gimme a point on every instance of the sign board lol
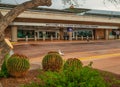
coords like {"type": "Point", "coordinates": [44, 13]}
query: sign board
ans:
{"type": "Point", "coordinates": [8, 43]}
{"type": "Point", "coordinates": [64, 25]}
{"type": "Point", "coordinates": [69, 29]}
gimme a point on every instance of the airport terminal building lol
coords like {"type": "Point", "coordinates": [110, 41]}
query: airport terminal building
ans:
{"type": "Point", "coordinates": [68, 24]}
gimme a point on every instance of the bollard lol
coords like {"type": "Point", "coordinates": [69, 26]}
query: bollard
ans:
{"type": "Point", "coordinates": [81, 37]}
{"type": "Point", "coordinates": [76, 37]}
{"type": "Point", "coordinates": [26, 38]}
{"type": "Point", "coordinates": [87, 38]}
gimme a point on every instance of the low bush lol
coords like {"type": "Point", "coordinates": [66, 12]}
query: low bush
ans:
{"type": "Point", "coordinates": [4, 71]}
{"type": "Point", "coordinates": [84, 77]}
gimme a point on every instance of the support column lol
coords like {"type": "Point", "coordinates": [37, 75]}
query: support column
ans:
{"type": "Point", "coordinates": [38, 35]}
{"type": "Point", "coordinates": [56, 35]}
{"type": "Point", "coordinates": [70, 36]}
{"type": "Point", "coordinates": [14, 33]}
{"type": "Point", "coordinates": [61, 33]}
{"type": "Point", "coordinates": [106, 34]}
{"type": "Point", "coordinates": [44, 35]}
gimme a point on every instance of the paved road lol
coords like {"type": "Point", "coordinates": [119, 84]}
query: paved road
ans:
{"type": "Point", "coordinates": [37, 49]}
{"type": "Point", "coordinates": [104, 54]}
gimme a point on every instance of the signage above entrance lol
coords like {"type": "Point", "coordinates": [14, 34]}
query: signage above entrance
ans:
{"type": "Point", "coordinates": [69, 29]}
{"type": "Point", "coordinates": [63, 25]}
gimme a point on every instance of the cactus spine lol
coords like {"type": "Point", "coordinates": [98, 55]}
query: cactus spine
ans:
{"type": "Point", "coordinates": [18, 65]}
{"type": "Point", "coordinates": [52, 62]}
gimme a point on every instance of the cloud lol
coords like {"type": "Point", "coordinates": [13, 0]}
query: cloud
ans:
{"type": "Point", "coordinates": [91, 4]}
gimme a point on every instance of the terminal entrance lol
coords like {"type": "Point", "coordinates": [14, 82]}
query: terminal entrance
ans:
{"type": "Point", "coordinates": [45, 35]}
{"type": "Point", "coordinates": [27, 33]}
{"type": "Point", "coordinates": [52, 35]}
{"type": "Point", "coordinates": [83, 34]}
{"type": "Point", "coordinates": [24, 33]}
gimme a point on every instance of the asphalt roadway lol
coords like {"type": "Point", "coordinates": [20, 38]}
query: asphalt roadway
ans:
{"type": "Point", "coordinates": [105, 55]}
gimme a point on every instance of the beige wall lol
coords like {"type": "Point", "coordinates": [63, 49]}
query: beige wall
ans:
{"type": "Point", "coordinates": [99, 34]}
{"type": "Point", "coordinates": [14, 33]}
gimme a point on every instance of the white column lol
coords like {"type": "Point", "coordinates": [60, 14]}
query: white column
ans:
{"type": "Point", "coordinates": [44, 35]}
{"type": "Point", "coordinates": [38, 35]}
{"type": "Point", "coordinates": [73, 34]}
{"type": "Point", "coordinates": [14, 33]}
{"type": "Point", "coordinates": [56, 35]}
{"type": "Point", "coordinates": [70, 36]}
{"type": "Point", "coordinates": [106, 34]}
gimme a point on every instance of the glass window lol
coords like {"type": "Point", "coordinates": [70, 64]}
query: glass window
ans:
{"type": "Point", "coordinates": [24, 33]}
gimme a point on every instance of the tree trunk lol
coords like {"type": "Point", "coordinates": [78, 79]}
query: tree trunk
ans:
{"type": "Point", "coordinates": [4, 48]}
{"type": "Point", "coordinates": [10, 16]}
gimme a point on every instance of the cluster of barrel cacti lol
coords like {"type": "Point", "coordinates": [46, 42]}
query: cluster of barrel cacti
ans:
{"type": "Point", "coordinates": [52, 61]}
{"type": "Point", "coordinates": [16, 65]}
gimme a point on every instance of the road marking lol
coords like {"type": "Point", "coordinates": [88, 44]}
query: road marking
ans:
{"type": "Point", "coordinates": [99, 56]}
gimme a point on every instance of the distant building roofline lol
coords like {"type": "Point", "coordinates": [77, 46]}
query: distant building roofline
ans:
{"type": "Point", "coordinates": [78, 11]}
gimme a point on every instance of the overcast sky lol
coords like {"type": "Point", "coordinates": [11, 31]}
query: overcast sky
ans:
{"type": "Point", "coordinates": [91, 4]}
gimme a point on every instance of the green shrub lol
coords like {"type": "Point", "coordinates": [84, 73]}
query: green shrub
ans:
{"type": "Point", "coordinates": [73, 63]}
{"type": "Point", "coordinates": [4, 71]}
{"type": "Point", "coordinates": [33, 84]}
{"type": "Point", "coordinates": [84, 77]}
{"type": "Point", "coordinates": [18, 65]}
{"type": "Point", "coordinates": [52, 62]}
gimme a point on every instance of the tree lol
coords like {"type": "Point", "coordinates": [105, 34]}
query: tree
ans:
{"type": "Point", "coordinates": [11, 15]}
{"type": "Point", "coordinates": [115, 3]}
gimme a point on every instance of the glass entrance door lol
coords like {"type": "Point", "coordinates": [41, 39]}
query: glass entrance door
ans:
{"type": "Point", "coordinates": [83, 33]}
{"type": "Point", "coordinates": [50, 34]}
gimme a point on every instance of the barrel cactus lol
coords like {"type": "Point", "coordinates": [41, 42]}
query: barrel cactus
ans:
{"type": "Point", "coordinates": [18, 65]}
{"type": "Point", "coordinates": [53, 52]}
{"type": "Point", "coordinates": [72, 63]}
{"type": "Point", "coordinates": [52, 62]}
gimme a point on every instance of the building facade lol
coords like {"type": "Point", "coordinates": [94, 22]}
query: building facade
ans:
{"type": "Point", "coordinates": [50, 24]}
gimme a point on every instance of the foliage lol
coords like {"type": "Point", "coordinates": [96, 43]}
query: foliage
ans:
{"type": "Point", "coordinates": [31, 85]}
{"type": "Point", "coordinates": [73, 63]}
{"type": "Point", "coordinates": [111, 79]}
{"type": "Point", "coordinates": [71, 2]}
{"type": "Point", "coordinates": [18, 65]}
{"type": "Point", "coordinates": [4, 71]}
{"type": "Point", "coordinates": [84, 77]}
{"type": "Point", "coordinates": [52, 61]}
